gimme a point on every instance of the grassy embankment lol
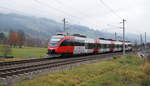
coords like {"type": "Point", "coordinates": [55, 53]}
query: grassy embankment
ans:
{"type": "Point", "coordinates": [122, 71]}
{"type": "Point", "coordinates": [26, 52]}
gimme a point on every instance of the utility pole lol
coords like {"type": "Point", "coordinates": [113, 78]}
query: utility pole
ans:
{"type": "Point", "coordinates": [145, 50]}
{"type": "Point", "coordinates": [141, 38]}
{"type": "Point", "coordinates": [124, 51]}
{"type": "Point", "coordinates": [64, 21]}
{"type": "Point", "coordinates": [115, 36]}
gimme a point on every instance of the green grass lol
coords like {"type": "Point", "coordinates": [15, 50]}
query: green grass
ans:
{"type": "Point", "coordinates": [28, 52]}
{"type": "Point", "coordinates": [123, 71]}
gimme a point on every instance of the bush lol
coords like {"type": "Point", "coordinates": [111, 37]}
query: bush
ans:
{"type": "Point", "coordinates": [5, 50]}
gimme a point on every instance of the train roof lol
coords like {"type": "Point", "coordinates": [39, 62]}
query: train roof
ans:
{"type": "Point", "coordinates": [83, 37]}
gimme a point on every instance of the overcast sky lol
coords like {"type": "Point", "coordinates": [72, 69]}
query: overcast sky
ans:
{"type": "Point", "coordinates": [92, 13]}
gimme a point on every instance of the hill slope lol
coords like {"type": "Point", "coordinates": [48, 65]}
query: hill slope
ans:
{"type": "Point", "coordinates": [41, 27]}
{"type": "Point", "coordinates": [44, 28]}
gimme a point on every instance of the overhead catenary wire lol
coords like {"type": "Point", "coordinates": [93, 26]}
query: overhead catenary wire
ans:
{"type": "Point", "coordinates": [123, 28]}
{"type": "Point", "coordinates": [77, 10]}
{"type": "Point", "coordinates": [69, 6]}
{"type": "Point", "coordinates": [62, 11]}
{"type": "Point", "coordinates": [68, 15]}
{"type": "Point", "coordinates": [110, 9]}
{"type": "Point", "coordinates": [57, 9]}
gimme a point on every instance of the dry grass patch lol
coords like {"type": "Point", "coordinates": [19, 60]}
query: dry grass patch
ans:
{"type": "Point", "coordinates": [146, 68]}
{"type": "Point", "coordinates": [12, 59]}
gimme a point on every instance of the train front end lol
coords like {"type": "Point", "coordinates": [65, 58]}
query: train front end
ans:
{"type": "Point", "coordinates": [53, 45]}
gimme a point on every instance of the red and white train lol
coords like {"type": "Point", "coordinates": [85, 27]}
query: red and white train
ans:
{"type": "Point", "coordinates": [61, 45]}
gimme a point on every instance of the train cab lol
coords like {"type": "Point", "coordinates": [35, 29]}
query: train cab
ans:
{"type": "Point", "coordinates": [54, 43]}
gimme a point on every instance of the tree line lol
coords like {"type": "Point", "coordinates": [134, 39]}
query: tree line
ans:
{"type": "Point", "coordinates": [13, 39]}
{"type": "Point", "coordinates": [20, 39]}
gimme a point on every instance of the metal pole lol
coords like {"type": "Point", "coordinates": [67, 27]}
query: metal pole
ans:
{"type": "Point", "coordinates": [64, 20]}
{"type": "Point", "coordinates": [145, 41]}
{"type": "Point", "coordinates": [115, 36]}
{"type": "Point", "coordinates": [145, 50]}
{"type": "Point", "coordinates": [141, 42]}
{"type": "Point", "coordinates": [124, 52]}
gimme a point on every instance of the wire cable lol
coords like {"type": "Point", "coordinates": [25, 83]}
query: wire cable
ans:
{"type": "Point", "coordinates": [58, 10]}
{"type": "Point", "coordinates": [69, 6]}
{"type": "Point", "coordinates": [110, 9]}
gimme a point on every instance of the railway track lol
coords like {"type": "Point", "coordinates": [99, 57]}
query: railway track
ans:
{"type": "Point", "coordinates": [24, 66]}
{"type": "Point", "coordinates": [22, 61]}
{"type": "Point", "coordinates": [8, 69]}
{"type": "Point", "coordinates": [38, 66]}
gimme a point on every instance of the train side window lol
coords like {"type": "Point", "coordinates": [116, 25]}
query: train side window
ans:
{"type": "Point", "coordinates": [121, 46]}
{"type": "Point", "coordinates": [99, 45]}
{"type": "Point", "coordinates": [64, 43]}
{"type": "Point", "coordinates": [102, 45]}
{"type": "Point", "coordinates": [107, 45]}
{"type": "Point", "coordinates": [82, 43]}
{"type": "Point", "coordinates": [110, 46]}
{"type": "Point", "coordinates": [115, 46]}
{"type": "Point", "coordinates": [118, 46]}
{"type": "Point", "coordinates": [125, 46]}
{"type": "Point", "coordinates": [86, 45]}
{"type": "Point", "coordinates": [77, 43]}
{"type": "Point", "coordinates": [96, 45]}
{"type": "Point", "coordinates": [67, 42]}
{"type": "Point", "coordinates": [90, 45]}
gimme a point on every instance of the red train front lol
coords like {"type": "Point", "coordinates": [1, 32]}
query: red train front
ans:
{"type": "Point", "coordinates": [58, 45]}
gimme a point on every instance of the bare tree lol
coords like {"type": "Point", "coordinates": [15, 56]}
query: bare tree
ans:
{"type": "Point", "coordinates": [20, 38]}
{"type": "Point", "coordinates": [13, 36]}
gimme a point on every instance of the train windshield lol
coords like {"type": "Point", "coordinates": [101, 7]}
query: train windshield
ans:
{"type": "Point", "coordinates": [55, 40]}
